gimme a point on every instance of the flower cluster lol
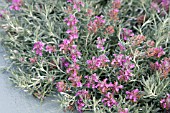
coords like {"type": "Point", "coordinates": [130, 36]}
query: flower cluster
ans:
{"type": "Point", "coordinates": [74, 53]}
{"type": "Point", "coordinates": [123, 110]}
{"type": "Point", "coordinates": [92, 80]}
{"type": "Point", "coordinates": [155, 6]}
{"type": "Point", "coordinates": [165, 4]}
{"type": "Point", "coordinates": [80, 105]}
{"type": "Point", "coordinates": [109, 30]}
{"type": "Point", "coordinates": [124, 62]}
{"type": "Point", "coordinates": [155, 52]}
{"type": "Point", "coordinates": [115, 87]}
{"type": "Point", "coordinates": [100, 43]}
{"type": "Point", "coordinates": [73, 33]}
{"type": "Point", "coordinates": [160, 4]}
{"type": "Point", "coordinates": [133, 95]}
{"type": "Point", "coordinates": [103, 86]}
{"type": "Point", "coordinates": [165, 102]}
{"type": "Point", "coordinates": [61, 86]}
{"type": "Point", "coordinates": [151, 43]}
{"type": "Point", "coordinates": [3, 12]}
{"type": "Point", "coordinates": [115, 10]}
{"type": "Point", "coordinates": [76, 4]}
{"type": "Point", "coordinates": [126, 33]}
{"type": "Point", "coordinates": [99, 62]}
{"type": "Point", "coordinates": [64, 62]}
{"type": "Point", "coordinates": [33, 60]}
{"type": "Point", "coordinates": [67, 45]}
{"type": "Point", "coordinates": [96, 24]}
{"type": "Point", "coordinates": [137, 40]}
{"type": "Point", "coordinates": [50, 48]}
{"type": "Point", "coordinates": [64, 46]}
{"type": "Point", "coordinates": [89, 12]}
{"type": "Point", "coordinates": [163, 67]}
{"type": "Point", "coordinates": [121, 46]}
{"type": "Point", "coordinates": [71, 20]}
{"type": "Point", "coordinates": [108, 100]}
{"type": "Point", "coordinates": [74, 78]}
{"type": "Point", "coordinates": [38, 46]}
{"type": "Point", "coordinates": [83, 94]}
{"type": "Point", "coordinates": [16, 4]}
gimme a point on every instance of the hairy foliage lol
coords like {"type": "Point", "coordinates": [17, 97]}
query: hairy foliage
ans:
{"type": "Point", "coordinates": [41, 20]}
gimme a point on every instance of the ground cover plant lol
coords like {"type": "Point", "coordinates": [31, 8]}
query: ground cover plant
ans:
{"type": "Point", "coordinates": [102, 56]}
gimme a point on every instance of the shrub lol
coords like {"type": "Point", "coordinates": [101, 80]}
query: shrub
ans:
{"type": "Point", "coordinates": [100, 56]}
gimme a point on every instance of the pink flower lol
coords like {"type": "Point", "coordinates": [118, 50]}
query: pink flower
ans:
{"type": "Point", "coordinates": [155, 52]}
{"type": "Point", "coordinates": [99, 20]}
{"type": "Point", "coordinates": [100, 43]}
{"type": "Point", "coordinates": [114, 14]}
{"type": "Point", "coordinates": [65, 63]}
{"type": "Point", "coordinates": [71, 21]}
{"type": "Point", "coordinates": [124, 75]}
{"type": "Point", "coordinates": [116, 4]}
{"type": "Point", "coordinates": [122, 61]}
{"type": "Point", "coordinates": [82, 93]}
{"type": "Point", "coordinates": [74, 53]}
{"type": "Point", "coordinates": [160, 52]}
{"type": "Point", "coordinates": [165, 4]}
{"type": "Point", "coordinates": [60, 86]}
{"type": "Point", "coordinates": [2, 13]}
{"type": "Point", "coordinates": [73, 68]}
{"type": "Point", "coordinates": [76, 4]}
{"type": "Point", "coordinates": [121, 46]}
{"type": "Point", "coordinates": [118, 60]}
{"type": "Point", "coordinates": [165, 103]}
{"type": "Point", "coordinates": [155, 6]}
{"type": "Point", "coordinates": [76, 80]}
{"type": "Point", "coordinates": [64, 46]}
{"type": "Point", "coordinates": [155, 66]}
{"type": "Point", "coordinates": [38, 46]}
{"type": "Point", "coordinates": [92, 64]}
{"type": "Point", "coordinates": [96, 24]}
{"type": "Point", "coordinates": [103, 60]}
{"type": "Point", "coordinates": [123, 110]}
{"type": "Point", "coordinates": [103, 86]}
{"type": "Point", "coordinates": [92, 80]}
{"type": "Point", "coordinates": [92, 27]}
{"type": "Point", "coordinates": [80, 105]}
{"type": "Point", "coordinates": [109, 100]}
{"type": "Point", "coordinates": [115, 87]}
{"type": "Point", "coordinates": [133, 95]}
{"type": "Point", "coordinates": [33, 60]}
{"type": "Point", "coordinates": [50, 49]}
{"type": "Point", "coordinates": [16, 4]}
{"type": "Point", "coordinates": [99, 62]}
{"type": "Point", "coordinates": [126, 33]}
{"type": "Point", "coordinates": [165, 64]}
{"type": "Point", "coordinates": [73, 33]}
{"type": "Point", "coordinates": [163, 67]}
{"type": "Point", "coordinates": [151, 43]}
{"type": "Point", "coordinates": [89, 12]}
